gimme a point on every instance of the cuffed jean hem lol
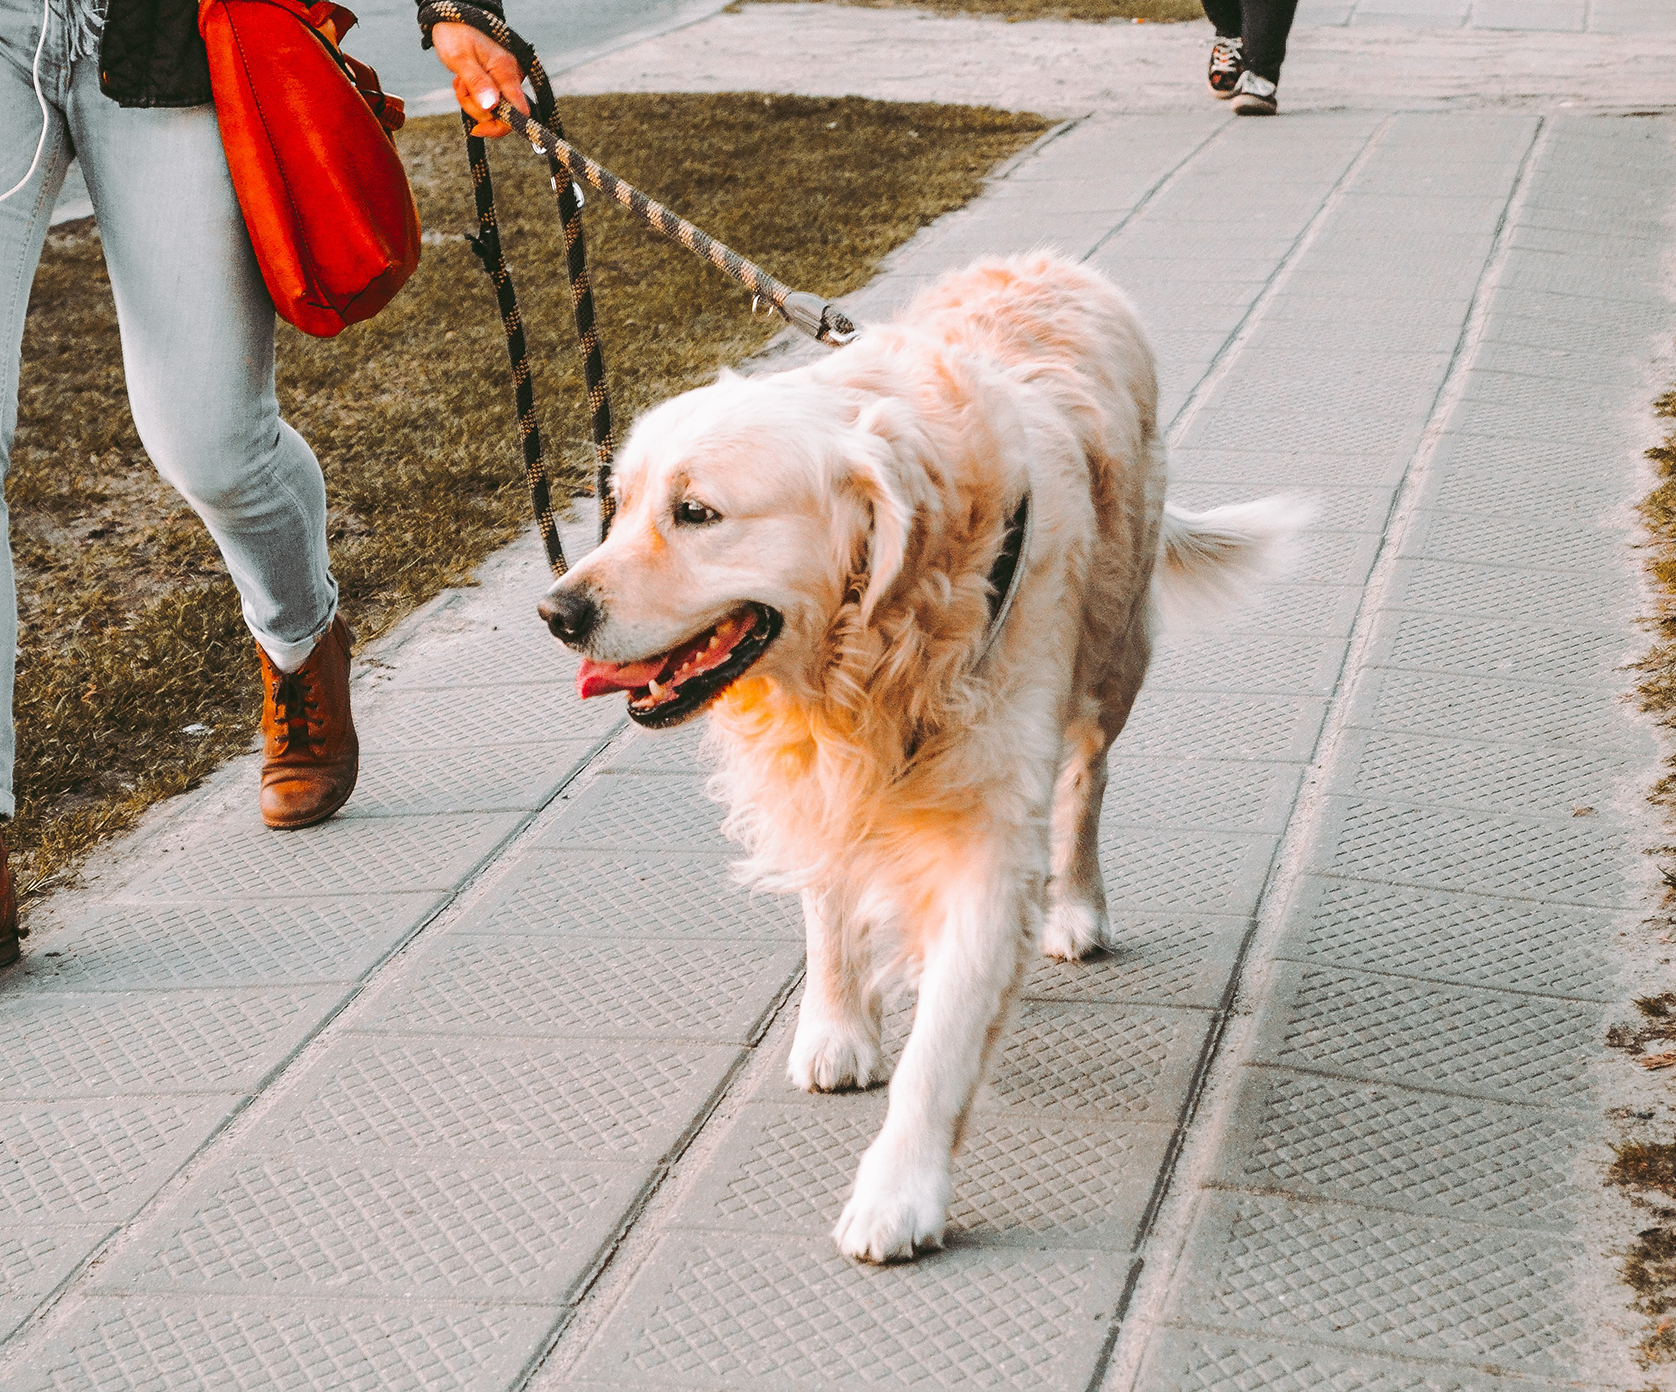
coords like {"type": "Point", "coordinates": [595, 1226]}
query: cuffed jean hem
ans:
{"type": "Point", "coordinates": [288, 657]}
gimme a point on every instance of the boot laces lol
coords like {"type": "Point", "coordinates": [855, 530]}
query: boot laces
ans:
{"type": "Point", "coordinates": [295, 706]}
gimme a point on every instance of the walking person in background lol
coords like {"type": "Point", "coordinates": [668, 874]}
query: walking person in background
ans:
{"type": "Point", "coordinates": [1249, 49]}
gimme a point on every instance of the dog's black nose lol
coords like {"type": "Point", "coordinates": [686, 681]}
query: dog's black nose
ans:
{"type": "Point", "coordinates": [570, 615]}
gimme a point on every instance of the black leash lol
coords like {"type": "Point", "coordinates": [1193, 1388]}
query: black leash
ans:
{"type": "Point", "coordinates": [808, 313]}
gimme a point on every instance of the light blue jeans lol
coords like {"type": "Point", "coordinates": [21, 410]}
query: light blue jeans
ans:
{"type": "Point", "coordinates": [197, 333]}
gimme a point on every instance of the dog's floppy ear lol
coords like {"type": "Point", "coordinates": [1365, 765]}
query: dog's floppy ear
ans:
{"type": "Point", "coordinates": [888, 437]}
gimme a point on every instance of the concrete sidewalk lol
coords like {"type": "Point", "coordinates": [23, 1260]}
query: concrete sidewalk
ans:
{"type": "Point", "coordinates": [1556, 16]}
{"type": "Point", "coordinates": [482, 1084]}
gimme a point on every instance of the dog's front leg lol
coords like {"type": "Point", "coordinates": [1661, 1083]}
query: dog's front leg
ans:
{"type": "Point", "coordinates": [837, 1040]}
{"type": "Point", "coordinates": [972, 965]}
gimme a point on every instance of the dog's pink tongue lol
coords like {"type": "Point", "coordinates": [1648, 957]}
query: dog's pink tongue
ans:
{"type": "Point", "coordinates": [602, 678]}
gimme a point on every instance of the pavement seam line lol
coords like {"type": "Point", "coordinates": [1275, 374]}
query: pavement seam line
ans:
{"type": "Point", "coordinates": [1269, 1066]}
{"type": "Point", "coordinates": [648, 1192]}
{"type": "Point", "coordinates": [1223, 363]}
{"type": "Point", "coordinates": [1160, 184]}
{"type": "Point", "coordinates": [1220, 1072]}
{"type": "Point", "coordinates": [1218, 370]}
{"type": "Point", "coordinates": [1419, 1089]}
{"type": "Point", "coordinates": [1004, 170]}
{"type": "Point", "coordinates": [1390, 1210]}
{"type": "Point", "coordinates": [1456, 984]}
{"type": "Point", "coordinates": [15, 1345]}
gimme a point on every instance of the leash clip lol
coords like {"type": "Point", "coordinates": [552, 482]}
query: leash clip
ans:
{"type": "Point", "coordinates": [820, 319]}
{"type": "Point", "coordinates": [576, 188]}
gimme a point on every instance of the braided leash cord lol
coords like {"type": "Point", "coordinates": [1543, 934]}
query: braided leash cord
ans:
{"type": "Point", "coordinates": [807, 313]}
{"type": "Point", "coordinates": [488, 248]}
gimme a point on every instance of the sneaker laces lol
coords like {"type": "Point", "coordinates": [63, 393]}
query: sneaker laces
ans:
{"type": "Point", "coordinates": [1227, 56]}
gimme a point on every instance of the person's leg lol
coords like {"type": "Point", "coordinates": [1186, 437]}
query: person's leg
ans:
{"type": "Point", "coordinates": [1225, 15]}
{"type": "Point", "coordinates": [198, 351]}
{"type": "Point", "coordinates": [32, 186]}
{"type": "Point", "coordinates": [1265, 25]}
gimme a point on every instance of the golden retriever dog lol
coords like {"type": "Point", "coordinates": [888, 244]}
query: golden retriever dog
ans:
{"type": "Point", "coordinates": [814, 557]}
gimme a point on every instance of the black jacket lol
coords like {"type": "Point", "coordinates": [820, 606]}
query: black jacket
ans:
{"type": "Point", "coordinates": [151, 54]}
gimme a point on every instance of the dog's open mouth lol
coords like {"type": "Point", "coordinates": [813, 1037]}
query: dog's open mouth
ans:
{"type": "Point", "coordinates": [666, 689]}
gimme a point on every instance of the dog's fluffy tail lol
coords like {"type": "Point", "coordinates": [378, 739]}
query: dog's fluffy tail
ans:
{"type": "Point", "coordinates": [1208, 561]}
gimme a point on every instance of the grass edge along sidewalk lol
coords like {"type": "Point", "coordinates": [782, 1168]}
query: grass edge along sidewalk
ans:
{"type": "Point", "coordinates": [1644, 1166]}
{"type": "Point", "coordinates": [136, 676]}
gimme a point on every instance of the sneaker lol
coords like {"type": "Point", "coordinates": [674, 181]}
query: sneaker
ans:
{"type": "Point", "coordinates": [1227, 62]}
{"type": "Point", "coordinates": [310, 755]}
{"type": "Point", "coordinates": [9, 933]}
{"type": "Point", "coordinates": [1254, 96]}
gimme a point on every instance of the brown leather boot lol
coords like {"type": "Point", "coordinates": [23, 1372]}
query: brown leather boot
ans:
{"type": "Point", "coordinates": [8, 912]}
{"type": "Point", "coordinates": [310, 755]}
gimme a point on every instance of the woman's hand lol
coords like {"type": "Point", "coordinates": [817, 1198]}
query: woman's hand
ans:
{"type": "Point", "coordinates": [484, 72]}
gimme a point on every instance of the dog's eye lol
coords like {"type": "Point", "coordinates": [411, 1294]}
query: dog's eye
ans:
{"type": "Point", "coordinates": [691, 514]}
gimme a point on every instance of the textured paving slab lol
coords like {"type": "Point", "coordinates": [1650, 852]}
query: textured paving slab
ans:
{"type": "Point", "coordinates": [715, 1311]}
{"type": "Point", "coordinates": [482, 1086]}
{"type": "Point", "coordinates": [1404, 1111]}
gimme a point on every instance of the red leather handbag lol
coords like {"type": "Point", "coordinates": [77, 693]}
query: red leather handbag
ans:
{"type": "Point", "coordinates": [308, 139]}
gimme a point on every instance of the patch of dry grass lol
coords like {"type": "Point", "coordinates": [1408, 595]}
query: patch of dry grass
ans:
{"type": "Point", "coordinates": [1657, 687]}
{"type": "Point", "coordinates": [1647, 1169]}
{"type": "Point", "coordinates": [131, 631]}
{"type": "Point", "coordinates": [1015, 11]}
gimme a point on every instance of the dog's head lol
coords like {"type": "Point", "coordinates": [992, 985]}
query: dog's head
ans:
{"type": "Point", "coordinates": [749, 512]}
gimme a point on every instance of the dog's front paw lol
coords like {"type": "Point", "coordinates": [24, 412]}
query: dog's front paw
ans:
{"type": "Point", "coordinates": [827, 1059]}
{"type": "Point", "coordinates": [893, 1213]}
{"type": "Point", "coordinates": [1071, 931]}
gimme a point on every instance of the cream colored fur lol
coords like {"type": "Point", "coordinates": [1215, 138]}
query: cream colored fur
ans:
{"type": "Point", "coordinates": [939, 815]}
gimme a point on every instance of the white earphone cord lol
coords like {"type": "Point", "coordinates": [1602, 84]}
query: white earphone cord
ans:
{"type": "Point", "coordinates": [46, 119]}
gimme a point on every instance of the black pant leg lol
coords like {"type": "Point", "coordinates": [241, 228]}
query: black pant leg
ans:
{"type": "Point", "coordinates": [1225, 15]}
{"type": "Point", "coordinates": [1265, 25]}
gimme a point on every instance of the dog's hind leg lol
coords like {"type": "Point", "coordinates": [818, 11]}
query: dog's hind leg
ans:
{"type": "Point", "coordinates": [979, 931]}
{"type": "Point", "coordinates": [837, 1040]}
{"type": "Point", "coordinates": [1076, 922]}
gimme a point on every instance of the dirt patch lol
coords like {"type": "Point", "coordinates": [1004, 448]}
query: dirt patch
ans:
{"type": "Point", "coordinates": [136, 675]}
